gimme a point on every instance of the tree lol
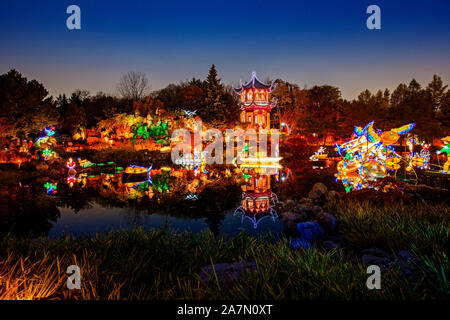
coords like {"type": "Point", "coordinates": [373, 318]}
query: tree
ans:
{"type": "Point", "coordinates": [80, 96]}
{"type": "Point", "coordinates": [220, 104]}
{"type": "Point", "coordinates": [25, 104]}
{"type": "Point", "coordinates": [213, 99]}
{"type": "Point", "coordinates": [324, 104]}
{"type": "Point", "coordinates": [75, 119]}
{"type": "Point", "coordinates": [399, 95]}
{"type": "Point", "coordinates": [196, 82]}
{"type": "Point", "coordinates": [61, 105]}
{"type": "Point", "coordinates": [171, 97]}
{"type": "Point", "coordinates": [133, 85]}
{"type": "Point", "coordinates": [444, 114]}
{"type": "Point", "coordinates": [436, 90]}
{"type": "Point", "coordinates": [149, 106]}
{"type": "Point", "coordinates": [291, 104]}
{"type": "Point", "coordinates": [102, 106]}
{"type": "Point", "coordinates": [413, 104]}
{"type": "Point", "coordinates": [193, 96]}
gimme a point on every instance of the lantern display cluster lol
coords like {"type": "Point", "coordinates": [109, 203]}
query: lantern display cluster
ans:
{"type": "Point", "coordinates": [319, 155]}
{"type": "Point", "coordinates": [51, 187]}
{"type": "Point", "coordinates": [45, 142]}
{"type": "Point", "coordinates": [368, 156]}
{"type": "Point", "coordinates": [446, 150]}
{"type": "Point", "coordinates": [71, 179]}
{"type": "Point", "coordinates": [421, 159]}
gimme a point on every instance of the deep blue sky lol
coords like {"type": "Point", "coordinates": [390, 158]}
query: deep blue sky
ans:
{"type": "Point", "coordinates": [306, 42]}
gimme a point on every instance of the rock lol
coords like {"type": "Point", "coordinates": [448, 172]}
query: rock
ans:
{"type": "Point", "coordinates": [310, 231]}
{"type": "Point", "coordinates": [290, 220]}
{"type": "Point", "coordinates": [307, 211]}
{"type": "Point", "coordinates": [305, 201]}
{"type": "Point", "coordinates": [317, 191]}
{"type": "Point", "coordinates": [327, 220]}
{"type": "Point", "coordinates": [331, 196]}
{"type": "Point", "coordinates": [304, 212]}
{"type": "Point", "coordinates": [316, 210]}
{"type": "Point", "coordinates": [330, 245]}
{"type": "Point", "coordinates": [227, 274]}
{"type": "Point", "coordinates": [375, 256]}
{"type": "Point", "coordinates": [287, 205]}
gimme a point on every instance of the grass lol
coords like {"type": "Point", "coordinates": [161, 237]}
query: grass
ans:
{"type": "Point", "coordinates": [163, 265]}
{"type": "Point", "coordinates": [160, 264]}
{"type": "Point", "coordinates": [394, 227]}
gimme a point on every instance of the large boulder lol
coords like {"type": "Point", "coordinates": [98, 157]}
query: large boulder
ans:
{"type": "Point", "coordinates": [310, 231]}
{"type": "Point", "coordinates": [331, 196]}
{"type": "Point", "coordinates": [307, 211]}
{"type": "Point", "coordinates": [318, 191]}
{"type": "Point", "coordinates": [327, 220]}
{"type": "Point", "coordinates": [287, 205]}
{"type": "Point", "coordinates": [290, 220]}
{"type": "Point", "coordinates": [375, 256]}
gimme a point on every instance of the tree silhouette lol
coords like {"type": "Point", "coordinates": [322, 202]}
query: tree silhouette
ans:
{"type": "Point", "coordinates": [25, 104]}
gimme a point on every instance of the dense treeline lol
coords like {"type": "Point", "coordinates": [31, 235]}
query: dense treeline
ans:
{"type": "Point", "coordinates": [321, 109]}
{"type": "Point", "coordinates": [25, 108]}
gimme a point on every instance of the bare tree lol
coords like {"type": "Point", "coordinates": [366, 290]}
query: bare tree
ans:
{"type": "Point", "coordinates": [133, 85]}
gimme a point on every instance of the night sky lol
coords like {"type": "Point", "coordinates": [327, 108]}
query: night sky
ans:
{"type": "Point", "coordinates": [306, 42]}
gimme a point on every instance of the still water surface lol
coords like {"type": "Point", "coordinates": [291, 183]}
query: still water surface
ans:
{"type": "Point", "coordinates": [225, 200]}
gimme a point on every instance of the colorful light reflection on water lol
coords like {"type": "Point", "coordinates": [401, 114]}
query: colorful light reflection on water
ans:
{"type": "Point", "coordinates": [184, 199]}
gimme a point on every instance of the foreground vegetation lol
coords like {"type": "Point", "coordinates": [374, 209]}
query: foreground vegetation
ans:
{"type": "Point", "coordinates": [164, 265]}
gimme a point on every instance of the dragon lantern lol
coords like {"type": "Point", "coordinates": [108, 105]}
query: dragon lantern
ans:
{"type": "Point", "coordinates": [368, 156]}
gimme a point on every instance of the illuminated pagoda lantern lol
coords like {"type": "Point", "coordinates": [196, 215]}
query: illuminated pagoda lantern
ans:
{"type": "Point", "coordinates": [256, 107]}
{"type": "Point", "coordinates": [255, 104]}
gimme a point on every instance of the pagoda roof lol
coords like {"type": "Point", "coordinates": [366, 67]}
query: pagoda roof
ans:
{"type": "Point", "coordinates": [255, 83]}
{"type": "Point", "coordinates": [254, 106]}
{"type": "Point", "coordinates": [256, 195]}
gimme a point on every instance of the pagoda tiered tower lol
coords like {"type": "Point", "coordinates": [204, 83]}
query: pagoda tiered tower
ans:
{"type": "Point", "coordinates": [256, 194]}
{"type": "Point", "coordinates": [255, 103]}
{"type": "Point", "coordinates": [258, 199]}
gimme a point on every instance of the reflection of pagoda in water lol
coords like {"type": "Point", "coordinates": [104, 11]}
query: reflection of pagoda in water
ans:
{"type": "Point", "coordinates": [258, 199]}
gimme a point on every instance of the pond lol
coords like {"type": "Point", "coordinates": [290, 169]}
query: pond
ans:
{"type": "Point", "coordinates": [223, 199]}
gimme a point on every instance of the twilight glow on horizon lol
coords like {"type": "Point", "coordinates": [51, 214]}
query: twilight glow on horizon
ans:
{"type": "Point", "coordinates": [298, 41]}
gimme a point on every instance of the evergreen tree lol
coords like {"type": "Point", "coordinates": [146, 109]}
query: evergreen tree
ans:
{"type": "Point", "coordinates": [444, 114]}
{"type": "Point", "coordinates": [220, 105]}
{"type": "Point", "coordinates": [25, 104]}
{"type": "Point", "coordinates": [436, 91]}
{"type": "Point", "coordinates": [214, 93]}
{"type": "Point", "coordinates": [196, 82]}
